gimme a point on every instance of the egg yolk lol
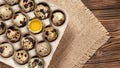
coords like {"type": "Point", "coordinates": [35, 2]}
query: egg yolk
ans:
{"type": "Point", "coordinates": [35, 25]}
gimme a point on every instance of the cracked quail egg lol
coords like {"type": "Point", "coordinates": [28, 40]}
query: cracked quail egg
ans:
{"type": "Point", "coordinates": [35, 26]}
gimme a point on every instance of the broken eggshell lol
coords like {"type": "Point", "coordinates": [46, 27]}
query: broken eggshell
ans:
{"type": "Point", "coordinates": [35, 26]}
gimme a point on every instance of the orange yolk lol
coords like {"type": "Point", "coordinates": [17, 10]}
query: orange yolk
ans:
{"type": "Point", "coordinates": [35, 25]}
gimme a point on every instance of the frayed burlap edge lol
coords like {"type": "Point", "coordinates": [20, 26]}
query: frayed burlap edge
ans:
{"type": "Point", "coordinates": [83, 36]}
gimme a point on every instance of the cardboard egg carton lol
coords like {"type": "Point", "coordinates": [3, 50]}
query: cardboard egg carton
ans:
{"type": "Point", "coordinates": [38, 37]}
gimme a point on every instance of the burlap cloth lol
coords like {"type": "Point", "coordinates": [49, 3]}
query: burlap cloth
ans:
{"type": "Point", "coordinates": [83, 36]}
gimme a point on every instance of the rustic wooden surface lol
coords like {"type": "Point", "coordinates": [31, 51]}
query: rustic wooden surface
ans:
{"type": "Point", "coordinates": [108, 12]}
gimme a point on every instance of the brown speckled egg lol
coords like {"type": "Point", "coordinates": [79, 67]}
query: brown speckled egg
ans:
{"type": "Point", "coordinates": [28, 42]}
{"type": "Point", "coordinates": [5, 12]}
{"type": "Point", "coordinates": [21, 56]}
{"type": "Point", "coordinates": [2, 28]}
{"type": "Point", "coordinates": [50, 33]}
{"type": "Point", "coordinates": [12, 2]}
{"type": "Point", "coordinates": [20, 19]}
{"type": "Point", "coordinates": [58, 17]}
{"type": "Point", "coordinates": [13, 34]}
{"type": "Point", "coordinates": [43, 49]}
{"type": "Point", "coordinates": [27, 5]}
{"type": "Point", "coordinates": [42, 11]}
{"type": "Point", "coordinates": [6, 50]}
{"type": "Point", "coordinates": [36, 63]}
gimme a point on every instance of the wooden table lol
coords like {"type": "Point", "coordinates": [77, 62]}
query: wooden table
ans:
{"type": "Point", "coordinates": [108, 12]}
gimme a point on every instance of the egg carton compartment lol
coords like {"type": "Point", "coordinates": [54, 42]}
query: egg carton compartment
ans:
{"type": "Point", "coordinates": [38, 37]}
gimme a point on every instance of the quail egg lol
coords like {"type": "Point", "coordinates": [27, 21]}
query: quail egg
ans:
{"type": "Point", "coordinates": [12, 2]}
{"type": "Point", "coordinates": [21, 57]}
{"type": "Point", "coordinates": [42, 11]}
{"type": "Point", "coordinates": [28, 42]}
{"type": "Point", "coordinates": [13, 34]}
{"type": "Point", "coordinates": [50, 33]}
{"type": "Point", "coordinates": [20, 19]}
{"type": "Point", "coordinates": [43, 49]}
{"type": "Point", "coordinates": [35, 26]}
{"type": "Point", "coordinates": [58, 18]}
{"type": "Point", "coordinates": [5, 12]}
{"type": "Point", "coordinates": [27, 5]}
{"type": "Point", "coordinates": [6, 50]}
{"type": "Point", "coordinates": [2, 28]}
{"type": "Point", "coordinates": [36, 63]}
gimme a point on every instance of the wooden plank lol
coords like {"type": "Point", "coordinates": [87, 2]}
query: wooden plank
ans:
{"type": "Point", "coordinates": [102, 4]}
{"type": "Point", "coordinates": [104, 65]}
{"type": "Point", "coordinates": [108, 56]}
{"type": "Point", "coordinates": [110, 52]}
{"type": "Point", "coordinates": [109, 18]}
{"type": "Point", "coordinates": [2, 65]}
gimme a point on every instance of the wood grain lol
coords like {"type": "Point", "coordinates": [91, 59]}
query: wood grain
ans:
{"type": "Point", "coordinates": [108, 12]}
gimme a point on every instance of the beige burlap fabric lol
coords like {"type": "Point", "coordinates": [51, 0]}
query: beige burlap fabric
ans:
{"type": "Point", "coordinates": [83, 36]}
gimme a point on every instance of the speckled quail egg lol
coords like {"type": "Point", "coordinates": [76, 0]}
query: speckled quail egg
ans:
{"type": "Point", "coordinates": [42, 11]}
{"type": "Point", "coordinates": [43, 49]}
{"type": "Point", "coordinates": [28, 42]}
{"type": "Point", "coordinates": [27, 5]}
{"type": "Point", "coordinates": [50, 33]}
{"type": "Point", "coordinates": [21, 57]}
{"type": "Point", "coordinates": [36, 63]}
{"type": "Point", "coordinates": [13, 34]}
{"type": "Point", "coordinates": [2, 28]}
{"type": "Point", "coordinates": [20, 19]}
{"type": "Point", "coordinates": [5, 12]}
{"type": "Point", "coordinates": [6, 50]}
{"type": "Point", "coordinates": [12, 2]}
{"type": "Point", "coordinates": [58, 18]}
